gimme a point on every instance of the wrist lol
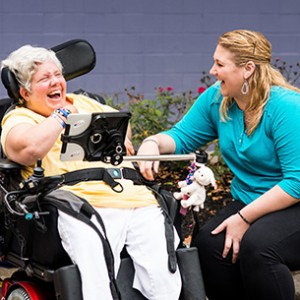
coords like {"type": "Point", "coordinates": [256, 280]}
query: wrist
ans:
{"type": "Point", "coordinates": [150, 139]}
{"type": "Point", "coordinates": [61, 115]}
{"type": "Point", "coordinates": [243, 218]}
{"type": "Point", "coordinates": [63, 112]}
{"type": "Point", "coordinates": [60, 120]}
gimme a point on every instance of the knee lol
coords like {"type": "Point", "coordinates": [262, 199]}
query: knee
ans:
{"type": "Point", "coordinates": [202, 239]}
{"type": "Point", "coordinates": [206, 243]}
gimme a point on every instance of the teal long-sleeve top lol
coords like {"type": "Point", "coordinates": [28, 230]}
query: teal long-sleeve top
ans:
{"type": "Point", "coordinates": [269, 156]}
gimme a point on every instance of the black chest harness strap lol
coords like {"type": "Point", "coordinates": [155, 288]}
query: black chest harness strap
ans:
{"type": "Point", "coordinates": [35, 184]}
{"type": "Point", "coordinates": [108, 175]}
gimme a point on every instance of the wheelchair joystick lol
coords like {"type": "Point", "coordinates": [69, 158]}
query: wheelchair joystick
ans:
{"type": "Point", "coordinates": [34, 179]}
{"type": "Point", "coordinates": [38, 171]}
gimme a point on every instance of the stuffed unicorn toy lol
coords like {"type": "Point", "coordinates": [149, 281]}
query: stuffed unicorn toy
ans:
{"type": "Point", "coordinates": [192, 190]}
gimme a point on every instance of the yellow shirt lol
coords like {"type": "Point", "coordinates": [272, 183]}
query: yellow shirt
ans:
{"type": "Point", "coordinates": [95, 192]}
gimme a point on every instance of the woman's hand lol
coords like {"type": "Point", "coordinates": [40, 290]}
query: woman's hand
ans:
{"type": "Point", "coordinates": [149, 168]}
{"type": "Point", "coordinates": [235, 229]}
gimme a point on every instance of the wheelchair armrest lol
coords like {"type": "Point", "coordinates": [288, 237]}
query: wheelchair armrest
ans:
{"type": "Point", "coordinates": [8, 165]}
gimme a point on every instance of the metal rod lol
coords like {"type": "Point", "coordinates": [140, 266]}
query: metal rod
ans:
{"type": "Point", "coordinates": [163, 157]}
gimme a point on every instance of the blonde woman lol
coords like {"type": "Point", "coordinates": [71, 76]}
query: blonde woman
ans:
{"type": "Point", "coordinates": [249, 248]}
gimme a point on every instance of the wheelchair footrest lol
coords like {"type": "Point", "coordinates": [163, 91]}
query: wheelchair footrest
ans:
{"type": "Point", "coordinates": [67, 283]}
{"type": "Point", "coordinates": [125, 281]}
{"type": "Point", "coordinates": [191, 275]}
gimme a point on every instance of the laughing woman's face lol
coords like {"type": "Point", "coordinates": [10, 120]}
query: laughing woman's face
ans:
{"type": "Point", "coordinates": [226, 71]}
{"type": "Point", "coordinates": [48, 89]}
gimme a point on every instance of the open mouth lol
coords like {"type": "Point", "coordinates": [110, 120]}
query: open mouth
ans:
{"type": "Point", "coordinates": [55, 95]}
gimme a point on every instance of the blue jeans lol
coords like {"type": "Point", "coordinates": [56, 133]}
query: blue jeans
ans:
{"type": "Point", "coordinates": [269, 251]}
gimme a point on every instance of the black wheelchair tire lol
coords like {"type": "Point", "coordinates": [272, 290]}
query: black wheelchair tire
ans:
{"type": "Point", "coordinates": [18, 294]}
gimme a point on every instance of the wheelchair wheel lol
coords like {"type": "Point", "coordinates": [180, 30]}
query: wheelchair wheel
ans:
{"type": "Point", "coordinates": [18, 294]}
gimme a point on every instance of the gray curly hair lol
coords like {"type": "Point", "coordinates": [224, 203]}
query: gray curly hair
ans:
{"type": "Point", "coordinates": [23, 63]}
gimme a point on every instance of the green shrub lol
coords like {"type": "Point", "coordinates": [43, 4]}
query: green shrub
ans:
{"type": "Point", "coordinates": [150, 116]}
{"type": "Point", "coordinates": [290, 72]}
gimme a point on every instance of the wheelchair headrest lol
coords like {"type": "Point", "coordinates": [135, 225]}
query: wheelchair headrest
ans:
{"type": "Point", "coordinates": [77, 57]}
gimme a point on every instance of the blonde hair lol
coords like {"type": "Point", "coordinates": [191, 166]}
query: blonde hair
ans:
{"type": "Point", "coordinates": [247, 45]}
{"type": "Point", "coordinates": [24, 61]}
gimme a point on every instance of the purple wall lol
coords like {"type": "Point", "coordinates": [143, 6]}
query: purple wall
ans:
{"type": "Point", "coordinates": [147, 43]}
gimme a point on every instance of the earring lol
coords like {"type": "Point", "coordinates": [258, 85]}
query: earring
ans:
{"type": "Point", "coordinates": [245, 88]}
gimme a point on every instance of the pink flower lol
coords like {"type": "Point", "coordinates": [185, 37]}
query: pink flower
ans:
{"type": "Point", "coordinates": [160, 89]}
{"type": "Point", "coordinates": [201, 89]}
{"type": "Point", "coordinates": [169, 88]}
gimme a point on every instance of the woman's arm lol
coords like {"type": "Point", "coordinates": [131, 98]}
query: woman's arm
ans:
{"type": "Point", "coordinates": [273, 200]}
{"type": "Point", "coordinates": [195, 129]}
{"type": "Point", "coordinates": [26, 143]}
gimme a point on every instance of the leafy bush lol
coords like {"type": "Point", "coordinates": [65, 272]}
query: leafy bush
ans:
{"type": "Point", "coordinates": [290, 72]}
{"type": "Point", "coordinates": [150, 116]}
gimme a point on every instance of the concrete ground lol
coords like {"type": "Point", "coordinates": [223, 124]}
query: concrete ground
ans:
{"type": "Point", "coordinates": [6, 272]}
{"type": "Point", "coordinates": [296, 275]}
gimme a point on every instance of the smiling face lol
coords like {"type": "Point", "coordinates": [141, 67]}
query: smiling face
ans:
{"type": "Point", "coordinates": [48, 89]}
{"type": "Point", "coordinates": [226, 71]}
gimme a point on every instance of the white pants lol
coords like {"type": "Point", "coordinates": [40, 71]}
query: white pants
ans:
{"type": "Point", "coordinates": [142, 231]}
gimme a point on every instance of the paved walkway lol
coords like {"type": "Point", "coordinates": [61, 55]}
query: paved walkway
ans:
{"type": "Point", "coordinates": [297, 284]}
{"type": "Point", "coordinates": [296, 275]}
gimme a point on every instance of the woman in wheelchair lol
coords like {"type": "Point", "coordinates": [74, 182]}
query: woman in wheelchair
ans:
{"type": "Point", "coordinates": [32, 131]}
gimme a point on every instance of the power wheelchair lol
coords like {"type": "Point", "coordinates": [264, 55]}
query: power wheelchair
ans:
{"type": "Point", "coordinates": [29, 240]}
